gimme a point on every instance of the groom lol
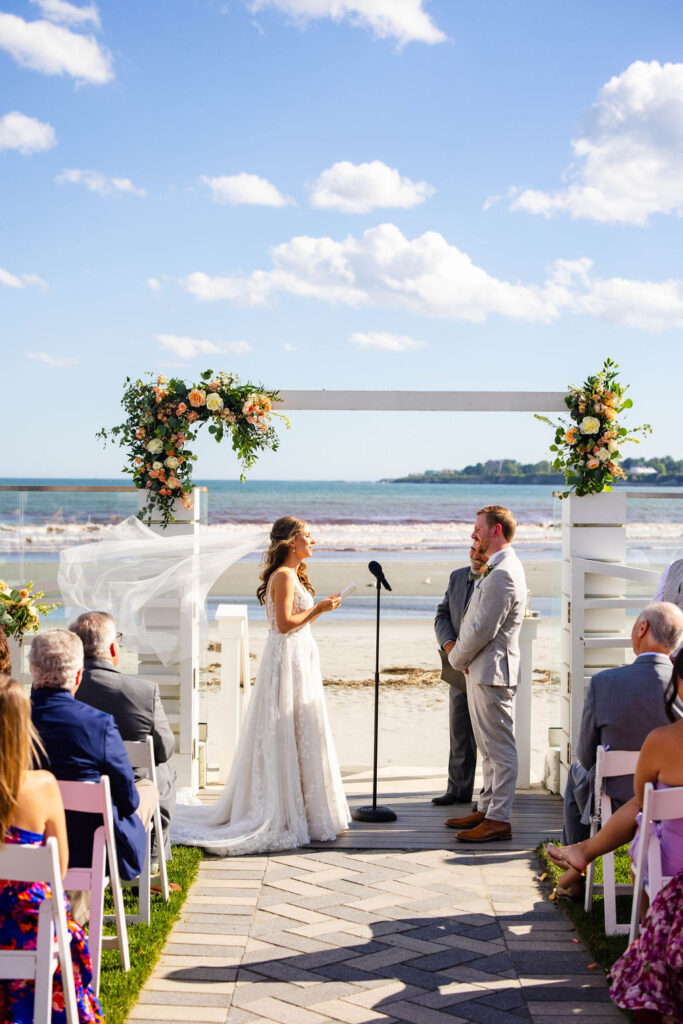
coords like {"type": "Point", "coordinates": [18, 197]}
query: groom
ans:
{"type": "Point", "coordinates": [487, 651]}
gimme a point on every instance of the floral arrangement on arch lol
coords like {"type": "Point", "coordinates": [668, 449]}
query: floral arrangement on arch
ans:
{"type": "Point", "coordinates": [588, 447]}
{"type": "Point", "coordinates": [20, 610]}
{"type": "Point", "coordinates": [163, 417]}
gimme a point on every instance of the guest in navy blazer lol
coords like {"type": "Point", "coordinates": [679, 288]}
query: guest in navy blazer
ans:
{"type": "Point", "coordinates": [82, 744]}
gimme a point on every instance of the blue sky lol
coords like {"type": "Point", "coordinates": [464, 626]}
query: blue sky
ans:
{"type": "Point", "coordinates": [407, 194]}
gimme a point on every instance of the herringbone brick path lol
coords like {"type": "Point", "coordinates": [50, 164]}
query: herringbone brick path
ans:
{"type": "Point", "coordinates": [322, 936]}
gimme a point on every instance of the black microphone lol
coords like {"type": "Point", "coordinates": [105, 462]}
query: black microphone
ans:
{"type": "Point", "coordinates": [377, 571]}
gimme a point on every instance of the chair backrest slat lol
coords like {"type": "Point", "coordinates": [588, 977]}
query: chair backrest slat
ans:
{"type": "Point", "coordinates": [91, 797]}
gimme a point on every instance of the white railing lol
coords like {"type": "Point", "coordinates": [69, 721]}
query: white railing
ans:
{"type": "Point", "coordinates": [223, 728]}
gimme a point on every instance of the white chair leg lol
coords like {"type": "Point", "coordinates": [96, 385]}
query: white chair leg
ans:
{"type": "Point", "coordinates": [144, 884]}
{"type": "Point", "coordinates": [119, 911]}
{"type": "Point", "coordinates": [163, 870]}
{"type": "Point", "coordinates": [42, 1006]}
{"type": "Point", "coordinates": [97, 914]}
{"type": "Point", "coordinates": [66, 963]}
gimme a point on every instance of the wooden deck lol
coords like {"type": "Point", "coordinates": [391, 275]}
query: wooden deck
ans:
{"type": "Point", "coordinates": [536, 815]}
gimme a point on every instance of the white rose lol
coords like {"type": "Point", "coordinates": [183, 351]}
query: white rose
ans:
{"type": "Point", "coordinates": [155, 446]}
{"type": "Point", "coordinates": [589, 425]}
{"type": "Point", "coordinates": [171, 462]}
{"type": "Point", "coordinates": [612, 446]}
{"type": "Point", "coordinates": [157, 466]}
{"type": "Point", "coordinates": [214, 402]}
{"type": "Point", "coordinates": [603, 454]}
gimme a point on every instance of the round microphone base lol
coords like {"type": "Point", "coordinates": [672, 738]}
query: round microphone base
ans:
{"type": "Point", "coordinates": [371, 813]}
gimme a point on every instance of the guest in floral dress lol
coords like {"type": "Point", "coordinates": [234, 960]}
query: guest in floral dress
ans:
{"type": "Point", "coordinates": [648, 978]}
{"type": "Point", "coordinates": [30, 811]}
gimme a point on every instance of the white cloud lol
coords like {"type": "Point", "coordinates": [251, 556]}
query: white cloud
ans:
{"type": "Point", "coordinates": [188, 348]}
{"type": "Point", "coordinates": [245, 188]}
{"type": "Point", "coordinates": [385, 341]}
{"type": "Point", "coordinates": [629, 160]}
{"type": "Point", "coordinates": [25, 134]}
{"type": "Point", "coordinates": [383, 268]}
{"type": "Point", "coordinates": [358, 188]}
{"type": "Point", "coordinates": [154, 284]}
{"type": "Point", "coordinates": [430, 277]}
{"type": "Point", "coordinates": [95, 181]}
{"type": "Point", "coordinates": [55, 50]}
{"type": "Point", "coordinates": [12, 281]}
{"type": "Point", "coordinates": [68, 14]}
{"type": "Point", "coordinates": [288, 347]}
{"type": "Point", "coordinates": [403, 20]}
{"type": "Point", "coordinates": [650, 306]}
{"type": "Point", "coordinates": [59, 362]}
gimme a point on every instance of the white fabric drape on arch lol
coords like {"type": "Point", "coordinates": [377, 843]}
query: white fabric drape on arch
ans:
{"type": "Point", "coordinates": [134, 568]}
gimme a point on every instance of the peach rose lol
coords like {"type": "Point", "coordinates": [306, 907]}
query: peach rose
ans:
{"type": "Point", "coordinates": [197, 398]}
{"type": "Point", "coordinates": [592, 463]}
{"type": "Point", "coordinates": [181, 409]}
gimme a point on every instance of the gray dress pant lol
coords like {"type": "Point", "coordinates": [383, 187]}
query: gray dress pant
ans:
{"type": "Point", "coordinates": [462, 759]}
{"type": "Point", "coordinates": [491, 714]}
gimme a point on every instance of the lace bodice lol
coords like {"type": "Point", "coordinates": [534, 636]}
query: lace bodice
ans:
{"type": "Point", "coordinates": [303, 600]}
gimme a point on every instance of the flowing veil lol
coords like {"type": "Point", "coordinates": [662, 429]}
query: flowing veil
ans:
{"type": "Point", "coordinates": [134, 568]}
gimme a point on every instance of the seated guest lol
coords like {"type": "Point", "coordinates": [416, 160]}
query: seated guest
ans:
{"type": "Point", "coordinates": [133, 701]}
{"type": "Point", "coordinates": [82, 744]}
{"type": "Point", "coordinates": [5, 658]}
{"type": "Point", "coordinates": [622, 706]}
{"type": "Point", "coordinates": [647, 978]}
{"type": "Point", "coordinates": [30, 811]}
{"type": "Point", "coordinates": [661, 763]}
{"type": "Point", "coordinates": [670, 586]}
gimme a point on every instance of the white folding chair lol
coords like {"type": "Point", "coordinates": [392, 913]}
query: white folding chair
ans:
{"type": "Point", "coordinates": [658, 805]}
{"type": "Point", "coordinates": [609, 764]}
{"type": "Point", "coordinates": [41, 864]}
{"type": "Point", "coordinates": [95, 798]}
{"type": "Point", "coordinates": [141, 755]}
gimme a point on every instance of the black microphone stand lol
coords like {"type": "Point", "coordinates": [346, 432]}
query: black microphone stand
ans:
{"type": "Point", "coordinates": [372, 812]}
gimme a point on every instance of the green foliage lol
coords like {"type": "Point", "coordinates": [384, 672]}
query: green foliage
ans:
{"type": "Point", "coordinates": [162, 418]}
{"type": "Point", "coordinates": [20, 609]}
{"type": "Point", "coordinates": [119, 989]}
{"type": "Point", "coordinates": [588, 446]}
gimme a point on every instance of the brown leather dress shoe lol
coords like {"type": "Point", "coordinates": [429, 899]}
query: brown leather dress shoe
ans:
{"type": "Point", "coordinates": [469, 821]}
{"type": "Point", "coordinates": [486, 832]}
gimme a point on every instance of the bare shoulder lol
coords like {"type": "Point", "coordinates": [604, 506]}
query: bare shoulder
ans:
{"type": "Point", "coordinates": [40, 782]}
{"type": "Point", "coordinates": [282, 578]}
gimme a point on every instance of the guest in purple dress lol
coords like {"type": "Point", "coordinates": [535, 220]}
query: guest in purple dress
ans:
{"type": "Point", "coordinates": [661, 763]}
{"type": "Point", "coordinates": [30, 811]}
{"type": "Point", "coordinates": [648, 978]}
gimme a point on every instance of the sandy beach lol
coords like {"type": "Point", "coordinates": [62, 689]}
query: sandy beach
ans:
{"type": "Point", "coordinates": [418, 577]}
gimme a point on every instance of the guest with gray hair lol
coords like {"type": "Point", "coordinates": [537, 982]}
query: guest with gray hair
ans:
{"type": "Point", "coordinates": [83, 744]}
{"type": "Point", "coordinates": [622, 706]}
{"type": "Point", "coordinates": [134, 702]}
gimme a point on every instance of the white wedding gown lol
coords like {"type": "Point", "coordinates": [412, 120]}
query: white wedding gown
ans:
{"type": "Point", "coordinates": [284, 787]}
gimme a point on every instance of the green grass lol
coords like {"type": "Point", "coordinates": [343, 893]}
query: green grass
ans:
{"type": "Point", "coordinates": [119, 989]}
{"type": "Point", "coordinates": [605, 949]}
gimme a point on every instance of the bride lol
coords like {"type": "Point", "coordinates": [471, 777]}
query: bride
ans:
{"type": "Point", "coordinates": [284, 787]}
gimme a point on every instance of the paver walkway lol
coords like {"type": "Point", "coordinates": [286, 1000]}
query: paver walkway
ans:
{"type": "Point", "coordinates": [428, 936]}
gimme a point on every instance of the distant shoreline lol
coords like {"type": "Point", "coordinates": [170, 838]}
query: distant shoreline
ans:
{"type": "Point", "coordinates": [534, 478]}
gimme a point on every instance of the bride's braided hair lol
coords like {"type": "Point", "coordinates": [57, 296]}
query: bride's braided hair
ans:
{"type": "Point", "coordinates": [283, 532]}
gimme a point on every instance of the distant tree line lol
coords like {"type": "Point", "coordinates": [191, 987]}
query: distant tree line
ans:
{"type": "Point", "coordinates": [664, 471]}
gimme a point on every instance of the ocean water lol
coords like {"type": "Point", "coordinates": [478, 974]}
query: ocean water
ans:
{"type": "Point", "coordinates": [351, 521]}
{"type": "Point", "coordinates": [408, 520]}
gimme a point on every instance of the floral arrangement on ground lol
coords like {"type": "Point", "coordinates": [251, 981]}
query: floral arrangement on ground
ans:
{"type": "Point", "coordinates": [20, 610]}
{"type": "Point", "coordinates": [163, 416]}
{"type": "Point", "coordinates": [587, 449]}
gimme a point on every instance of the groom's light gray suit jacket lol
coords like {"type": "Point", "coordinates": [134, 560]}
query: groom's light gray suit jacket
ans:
{"type": "Point", "coordinates": [488, 644]}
